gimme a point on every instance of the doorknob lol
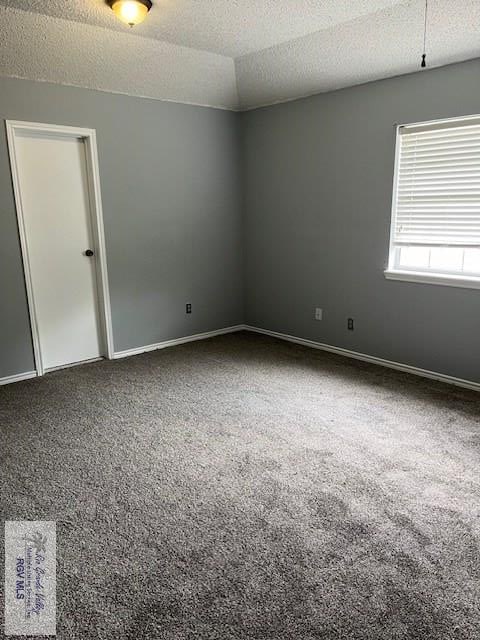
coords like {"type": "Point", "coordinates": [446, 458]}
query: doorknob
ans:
{"type": "Point", "coordinates": [89, 253]}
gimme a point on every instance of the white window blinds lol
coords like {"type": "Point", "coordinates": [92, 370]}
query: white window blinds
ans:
{"type": "Point", "coordinates": [437, 194]}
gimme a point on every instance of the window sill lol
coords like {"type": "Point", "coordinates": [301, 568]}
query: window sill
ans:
{"type": "Point", "coordinates": [433, 278]}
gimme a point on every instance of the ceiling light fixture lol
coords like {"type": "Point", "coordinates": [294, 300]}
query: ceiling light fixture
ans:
{"type": "Point", "coordinates": [131, 12]}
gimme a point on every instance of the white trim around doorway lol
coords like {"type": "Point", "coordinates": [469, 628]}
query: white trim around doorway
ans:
{"type": "Point", "coordinates": [89, 136]}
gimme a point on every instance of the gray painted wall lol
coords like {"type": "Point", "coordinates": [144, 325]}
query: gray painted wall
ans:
{"type": "Point", "coordinates": [318, 184]}
{"type": "Point", "coordinates": [170, 180]}
{"type": "Point", "coordinates": [317, 181]}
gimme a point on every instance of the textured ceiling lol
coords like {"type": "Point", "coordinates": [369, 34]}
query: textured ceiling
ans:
{"type": "Point", "coordinates": [38, 47]}
{"type": "Point", "coordinates": [185, 50]}
{"type": "Point", "coordinates": [383, 44]}
{"type": "Point", "coordinates": [229, 27]}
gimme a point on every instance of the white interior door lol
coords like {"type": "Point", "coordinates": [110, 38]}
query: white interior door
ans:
{"type": "Point", "coordinates": [53, 182]}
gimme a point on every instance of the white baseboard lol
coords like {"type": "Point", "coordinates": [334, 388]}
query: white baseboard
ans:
{"type": "Point", "coordinates": [177, 341]}
{"type": "Point", "coordinates": [18, 377]}
{"type": "Point", "coordinates": [424, 373]}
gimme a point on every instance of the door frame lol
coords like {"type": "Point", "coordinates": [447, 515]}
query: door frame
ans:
{"type": "Point", "coordinates": [89, 137]}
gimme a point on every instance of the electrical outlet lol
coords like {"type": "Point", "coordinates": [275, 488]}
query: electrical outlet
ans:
{"type": "Point", "coordinates": [318, 314]}
{"type": "Point", "coordinates": [188, 308]}
{"type": "Point", "coordinates": [350, 324]}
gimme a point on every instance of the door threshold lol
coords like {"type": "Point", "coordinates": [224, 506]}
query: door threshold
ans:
{"type": "Point", "coordinates": [72, 364]}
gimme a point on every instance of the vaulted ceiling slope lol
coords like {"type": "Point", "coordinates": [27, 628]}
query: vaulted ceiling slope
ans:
{"type": "Point", "coordinates": [232, 53]}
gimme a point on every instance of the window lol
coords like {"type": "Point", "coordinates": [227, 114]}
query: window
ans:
{"type": "Point", "coordinates": [435, 234]}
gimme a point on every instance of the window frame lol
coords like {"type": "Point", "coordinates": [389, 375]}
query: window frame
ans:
{"type": "Point", "coordinates": [393, 272]}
